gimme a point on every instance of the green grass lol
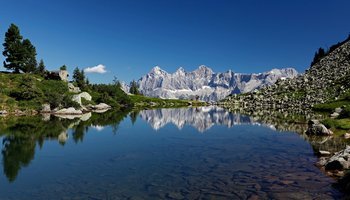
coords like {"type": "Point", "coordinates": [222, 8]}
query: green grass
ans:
{"type": "Point", "coordinates": [343, 124]}
{"type": "Point", "coordinates": [330, 106]}
{"type": "Point", "coordinates": [28, 92]}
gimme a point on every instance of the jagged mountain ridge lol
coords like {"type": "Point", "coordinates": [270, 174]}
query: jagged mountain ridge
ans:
{"type": "Point", "coordinates": [205, 83]}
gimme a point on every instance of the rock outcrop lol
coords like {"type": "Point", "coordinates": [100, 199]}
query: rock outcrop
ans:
{"type": "Point", "coordinates": [77, 98]}
{"type": "Point", "coordinates": [73, 89]}
{"type": "Point", "coordinates": [205, 84]}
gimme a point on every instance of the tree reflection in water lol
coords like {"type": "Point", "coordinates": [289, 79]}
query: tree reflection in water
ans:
{"type": "Point", "coordinates": [20, 135]}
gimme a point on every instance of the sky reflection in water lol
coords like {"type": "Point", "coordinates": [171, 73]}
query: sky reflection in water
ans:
{"type": "Point", "coordinates": [186, 153]}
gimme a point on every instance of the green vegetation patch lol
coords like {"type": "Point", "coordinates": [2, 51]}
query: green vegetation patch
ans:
{"type": "Point", "coordinates": [330, 106]}
{"type": "Point", "coordinates": [343, 124]}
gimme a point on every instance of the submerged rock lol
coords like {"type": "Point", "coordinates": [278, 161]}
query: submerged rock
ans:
{"type": "Point", "coordinates": [317, 128]}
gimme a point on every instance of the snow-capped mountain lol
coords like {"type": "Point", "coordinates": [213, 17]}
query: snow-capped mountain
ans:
{"type": "Point", "coordinates": [206, 84]}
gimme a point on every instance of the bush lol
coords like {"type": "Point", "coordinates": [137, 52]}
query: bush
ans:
{"type": "Point", "coordinates": [54, 99]}
{"type": "Point", "coordinates": [68, 102]}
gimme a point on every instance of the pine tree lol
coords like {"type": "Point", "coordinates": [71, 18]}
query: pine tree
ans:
{"type": "Point", "coordinates": [116, 82]}
{"type": "Point", "coordinates": [133, 88]}
{"type": "Point", "coordinates": [79, 77]}
{"type": "Point", "coordinates": [76, 75]}
{"type": "Point", "coordinates": [29, 57]}
{"type": "Point", "coordinates": [12, 47]}
{"type": "Point", "coordinates": [20, 55]}
{"type": "Point", "coordinates": [41, 68]}
{"type": "Point", "coordinates": [318, 56]}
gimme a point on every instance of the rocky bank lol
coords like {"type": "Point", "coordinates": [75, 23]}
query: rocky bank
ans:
{"type": "Point", "coordinates": [326, 80]}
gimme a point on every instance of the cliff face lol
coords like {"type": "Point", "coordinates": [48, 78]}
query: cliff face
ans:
{"type": "Point", "coordinates": [206, 84]}
{"type": "Point", "coordinates": [326, 80]}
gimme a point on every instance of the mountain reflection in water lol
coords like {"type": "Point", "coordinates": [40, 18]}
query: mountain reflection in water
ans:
{"type": "Point", "coordinates": [201, 118]}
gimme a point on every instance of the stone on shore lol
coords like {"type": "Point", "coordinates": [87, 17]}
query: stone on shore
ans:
{"type": "Point", "coordinates": [324, 153]}
{"type": "Point", "coordinates": [340, 161]}
{"type": "Point", "coordinates": [69, 111]}
{"type": "Point", "coordinates": [347, 135]}
{"type": "Point", "coordinates": [45, 108]}
{"type": "Point", "coordinates": [334, 115]}
{"type": "Point", "coordinates": [3, 112]}
{"type": "Point", "coordinates": [101, 106]}
{"type": "Point", "coordinates": [338, 110]}
{"type": "Point", "coordinates": [317, 128]}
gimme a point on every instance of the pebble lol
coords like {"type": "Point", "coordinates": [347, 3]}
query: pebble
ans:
{"type": "Point", "coordinates": [347, 135]}
{"type": "Point", "coordinates": [324, 153]}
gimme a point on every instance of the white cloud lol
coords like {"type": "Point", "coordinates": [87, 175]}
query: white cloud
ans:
{"type": "Point", "coordinates": [101, 69]}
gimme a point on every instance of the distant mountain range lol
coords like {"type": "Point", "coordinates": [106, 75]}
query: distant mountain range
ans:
{"type": "Point", "coordinates": [205, 84]}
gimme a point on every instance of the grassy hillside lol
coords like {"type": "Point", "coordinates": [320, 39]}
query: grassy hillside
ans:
{"type": "Point", "coordinates": [28, 92]}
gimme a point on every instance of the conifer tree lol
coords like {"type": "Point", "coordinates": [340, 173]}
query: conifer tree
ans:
{"type": "Point", "coordinates": [12, 47]}
{"type": "Point", "coordinates": [29, 57]}
{"type": "Point", "coordinates": [133, 88]}
{"type": "Point", "coordinates": [41, 68]}
{"type": "Point", "coordinates": [20, 55]}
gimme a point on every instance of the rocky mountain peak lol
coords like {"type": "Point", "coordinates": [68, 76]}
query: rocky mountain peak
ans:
{"type": "Point", "coordinates": [204, 70]}
{"type": "Point", "coordinates": [180, 71]}
{"type": "Point", "coordinates": [157, 70]}
{"type": "Point", "coordinates": [205, 83]}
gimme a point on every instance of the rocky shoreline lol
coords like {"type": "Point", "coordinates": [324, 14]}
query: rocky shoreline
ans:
{"type": "Point", "coordinates": [46, 108]}
{"type": "Point", "coordinates": [326, 81]}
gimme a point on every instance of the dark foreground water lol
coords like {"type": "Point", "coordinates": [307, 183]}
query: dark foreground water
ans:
{"type": "Point", "coordinates": [203, 153]}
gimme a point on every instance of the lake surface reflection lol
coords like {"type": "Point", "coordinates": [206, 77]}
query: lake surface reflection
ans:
{"type": "Point", "coordinates": [183, 153]}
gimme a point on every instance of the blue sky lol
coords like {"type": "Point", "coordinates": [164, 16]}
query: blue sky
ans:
{"type": "Point", "coordinates": [132, 36]}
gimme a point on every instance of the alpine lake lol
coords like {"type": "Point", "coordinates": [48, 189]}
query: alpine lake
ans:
{"type": "Point", "coordinates": [175, 153]}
